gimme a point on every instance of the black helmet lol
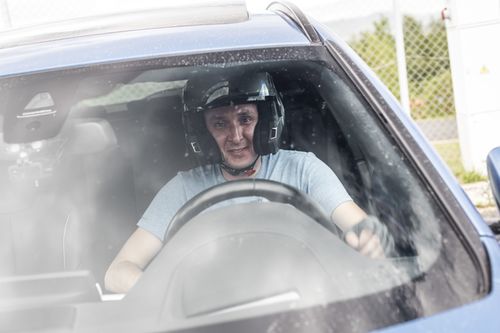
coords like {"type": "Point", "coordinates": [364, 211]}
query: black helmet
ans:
{"type": "Point", "coordinates": [207, 92]}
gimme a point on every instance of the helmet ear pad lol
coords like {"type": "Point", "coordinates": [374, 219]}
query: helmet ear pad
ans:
{"type": "Point", "coordinates": [267, 133]}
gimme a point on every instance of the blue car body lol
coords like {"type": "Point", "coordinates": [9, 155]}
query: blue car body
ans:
{"type": "Point", "coordinates": [270, 32]}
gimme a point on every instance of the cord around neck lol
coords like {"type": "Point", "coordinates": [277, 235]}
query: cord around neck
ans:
{"type": "Point", "coordinates": [247, 171]}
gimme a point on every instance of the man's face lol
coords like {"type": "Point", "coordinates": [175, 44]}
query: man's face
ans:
{"type": "Point", "coordinates": [232, 128]}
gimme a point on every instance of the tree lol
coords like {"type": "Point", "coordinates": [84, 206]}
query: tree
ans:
{"type": "Point", "coordinates": [378, 50]}
{"type": "Point", "coordinates": [427, 61]}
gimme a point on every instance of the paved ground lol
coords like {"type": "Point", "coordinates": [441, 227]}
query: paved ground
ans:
{"type": "Point", "coordinates": [481, 196]}
{"type": "Point", "coordinates": [440, 129]}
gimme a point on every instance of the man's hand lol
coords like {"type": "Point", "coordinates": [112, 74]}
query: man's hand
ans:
{"type": "Point", "coordinates": [370, 237]}
{"type": "Point", "coordinates": [362, 232]}
{"type": "Point", "coordinates": [122, 276]}
{"type": "Point", "coordinates": [367, 243]}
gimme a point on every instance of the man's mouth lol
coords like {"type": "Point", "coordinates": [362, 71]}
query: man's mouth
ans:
{"type": "Point", "coordinates": [237, 150]}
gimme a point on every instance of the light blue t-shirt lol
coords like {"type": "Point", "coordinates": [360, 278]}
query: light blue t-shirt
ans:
{"type": "Point", "coordinates": [301, 170]}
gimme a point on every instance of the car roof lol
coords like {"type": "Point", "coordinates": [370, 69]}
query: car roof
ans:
{"type": "Point", "coordinates": [77, 43]}
{"type": "Point", "coordinates": [93, 23]}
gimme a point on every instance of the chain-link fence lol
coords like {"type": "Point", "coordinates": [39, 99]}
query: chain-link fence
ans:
{"type": "Point", "coordinates": [370, 27]}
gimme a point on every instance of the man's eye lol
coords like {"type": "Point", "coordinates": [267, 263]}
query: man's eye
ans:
{"type": "Point", "coordinates": [246, 120]}
{"type": "Point", "coordinates": [219, 124]}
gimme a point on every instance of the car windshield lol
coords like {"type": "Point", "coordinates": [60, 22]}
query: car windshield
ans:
{"type": "Point", "coordinates": [84, 152]}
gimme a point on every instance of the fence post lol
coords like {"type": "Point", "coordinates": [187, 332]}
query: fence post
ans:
{"type": "Point", "coordinates": [5, 22]}
{"type": "Point", "coordinates": [401, 56]}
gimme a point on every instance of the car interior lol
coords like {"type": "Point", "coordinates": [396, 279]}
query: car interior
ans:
{"type": "Point", "coordinates": [97, 175]}
{"type": "Point", "coordinates": [108, 161]}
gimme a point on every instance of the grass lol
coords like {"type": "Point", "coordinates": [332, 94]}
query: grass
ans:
{"type": "Point", "coordinates": [450, 152]}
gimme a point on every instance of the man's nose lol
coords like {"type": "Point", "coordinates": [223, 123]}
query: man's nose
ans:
{"type": "Point", "coordinates": [235, 133]}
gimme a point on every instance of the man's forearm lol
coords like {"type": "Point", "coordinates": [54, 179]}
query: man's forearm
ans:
{"type": "Point", "coordinates": [122, 276]}
{"type": "Point", "coordinates": [347, 214]}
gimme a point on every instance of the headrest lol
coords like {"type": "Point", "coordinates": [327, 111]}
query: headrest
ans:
{"type": "Point", "coordinates": [90, 136]}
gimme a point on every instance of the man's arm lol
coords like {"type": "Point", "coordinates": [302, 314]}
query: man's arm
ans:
{"type": "Point", "coordinates": [135, 255]}
{"type": "Point", "coordinates": [347, 215]}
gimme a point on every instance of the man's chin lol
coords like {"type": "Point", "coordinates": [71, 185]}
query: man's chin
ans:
{"type": "Point", "coordinates": [241, 163]}
{"type": "Point", "coordinates": [238, 165]}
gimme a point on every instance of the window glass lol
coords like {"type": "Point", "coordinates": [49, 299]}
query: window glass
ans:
{"type": "Point", "coordinates": [75, 181]}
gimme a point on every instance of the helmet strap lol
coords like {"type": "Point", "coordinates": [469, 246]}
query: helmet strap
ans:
{"type": "Point", "coordinates": [247, 171]}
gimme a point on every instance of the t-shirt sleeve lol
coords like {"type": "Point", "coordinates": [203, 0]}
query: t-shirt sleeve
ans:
{"type": "Point", "coordinates": [324, 186]}
{"type": "Point", "coordinates": [164, 206]}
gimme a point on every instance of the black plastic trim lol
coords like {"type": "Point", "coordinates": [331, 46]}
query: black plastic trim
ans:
{"type": "Point", "coordinates": [296, 15]}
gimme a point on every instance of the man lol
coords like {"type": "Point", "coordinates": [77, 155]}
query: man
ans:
{"type": "Point", "coordinates": [234, 124]}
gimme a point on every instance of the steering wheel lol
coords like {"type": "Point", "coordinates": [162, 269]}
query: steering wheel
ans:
{"type": "Point", "coordinates": [271, 190]}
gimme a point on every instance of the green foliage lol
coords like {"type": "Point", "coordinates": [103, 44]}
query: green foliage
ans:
{"type": "Point", "coordinates": [450, 153]}
{"type": "Point", "coordinates": [436, 97]}
{"type": "Point", "coordinates": [378, 50]}
{"type": "Point", "coordinates": [428, 67]}
{"type": "Point", "coordinates": [467, 177]}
